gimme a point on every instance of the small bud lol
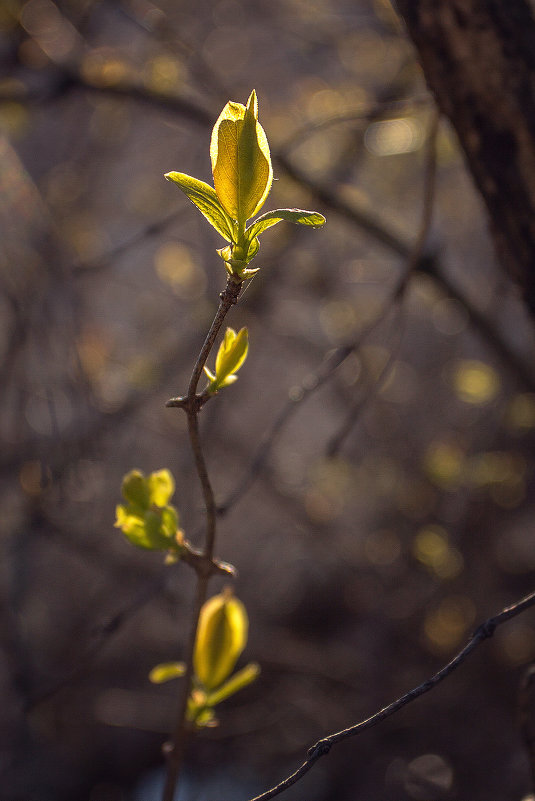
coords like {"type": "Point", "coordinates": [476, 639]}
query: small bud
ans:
{"type": "Point", "coordinates": [221, 637]}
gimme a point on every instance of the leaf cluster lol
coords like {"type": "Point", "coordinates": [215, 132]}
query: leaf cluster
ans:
{"type": "Point", "coordinates": [221, 638]}
{"type": "Point", "coordinates": [243, 175]}
{"type": "Point", "coordinates": [147, 519]}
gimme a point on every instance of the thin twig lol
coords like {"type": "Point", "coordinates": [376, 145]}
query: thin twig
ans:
{"type": "Point", "coordinates": [363, 401]}
{"type": "Point", "coordinates": [204, 566]}
{"type": "Point", "coordinates": [298, 394]}
{"type": "Point", "coordinates": [323, 746]}
{"type": "Point", "coordinates": [384, 109]}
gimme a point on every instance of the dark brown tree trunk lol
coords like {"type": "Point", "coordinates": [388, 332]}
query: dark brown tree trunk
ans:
{"type": "Point", "coordinates": [478, 57]}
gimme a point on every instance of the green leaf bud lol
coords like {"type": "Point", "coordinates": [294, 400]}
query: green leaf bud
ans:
{"type": "Point", "coordinates": [241, 162]}
{"type": "Point", "coordinates": [221, 637]}
{"type": "Point", "coordinates": [166, 671]}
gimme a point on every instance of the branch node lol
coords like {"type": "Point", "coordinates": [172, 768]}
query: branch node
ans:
{"type": "Point", "coordinates": [177, 403]}
{"type": "Point", "coordinates": [486, 629]}
{"type": "Point", "coordinates": [321, 748]}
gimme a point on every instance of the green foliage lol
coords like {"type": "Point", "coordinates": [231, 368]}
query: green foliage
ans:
{"type": "Point", "coordinates": [166, 671]}
{"type": "Point", "coordinates": [206, 200]}
{"type": "Point", "coordinates": [230, 357]}
{"type": "Point", "coordinates": [221, 638]}
{"type": "Point", "coordinates": [241, 162]}
{"type": "Point", "coordinates": [296, 216]}
{"type": "Point", "coordinates": [147, 519]}
{"type": "Point", "coordinates": [236, 682]}
{"type": "Point", "coordinates": [243, 174]}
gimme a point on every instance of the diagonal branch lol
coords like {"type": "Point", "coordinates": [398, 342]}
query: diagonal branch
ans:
{"type": "Point", "coordinates": [323, 746]}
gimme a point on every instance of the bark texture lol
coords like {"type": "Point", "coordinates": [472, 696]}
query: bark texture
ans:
{"type": "Point", "coordinates": [478, 57]}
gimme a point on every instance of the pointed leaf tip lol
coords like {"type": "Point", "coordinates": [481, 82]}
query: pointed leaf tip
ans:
{"type": "Point", "coordinates": [252, 104]}
{"type": "Point", "coordinates": [241, 162]}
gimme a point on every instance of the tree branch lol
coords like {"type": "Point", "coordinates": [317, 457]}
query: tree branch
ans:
{"type": "Point", "coordinates": [204, 564]}
{"type": "Point", "coordinates": [479, 61]}
{"type": "Point", "coordinates": [323, 746]}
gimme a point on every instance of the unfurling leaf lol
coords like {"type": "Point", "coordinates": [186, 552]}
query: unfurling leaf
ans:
{"type": "Point", "coordinates": [236, 682]}
{"type": "Point", "coordinates": [161, 487]}
{"type": "Point", "coordinates": [166, 671]}
{"type": "Point", "coordinates": [230, 357]}
{"type": "Point", "coordinates": [243, 174]}
{"type": "Point", "coordinates": [221, 637]}
{"type": "Point", "coordinates": [241, 162]}
{"type": "Point", "coordinates": [147, 519]}
{"type": "Point", "coordinates": [296, 216]}
{"type": "Point", "coordinates": [134, 489]}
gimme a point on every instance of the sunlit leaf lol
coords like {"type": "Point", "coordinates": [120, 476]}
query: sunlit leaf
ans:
{"type": "Point", "coordinates": [206, 200]}
{"type": "Point", "coordinates": [169, 522]}
{"type": "Point", "coordinates": [232, 352]}
{"type": "Point", "coordinates": [135, 489]}
{"type": "Point", "coordinates": [296, 216]}
{"type": "Point", "coordinates": [166, 671]}
{"type": "Point", "coordinates": [241, 162]}
{"type": "Point", "coordinates": [161, 487]}
{"type": "Point", "coordinates": [147, 520]}
{"type": "Point", "coordinates": [221, 637]}
{"type": "Point", "coordinates": [138, 531]}
{"type": "Point", "coordinates": [230, 357]}
{"type": "Point", "coordinates": [253, 248]}
{"type": "Point", "coordinates": [237, 682]}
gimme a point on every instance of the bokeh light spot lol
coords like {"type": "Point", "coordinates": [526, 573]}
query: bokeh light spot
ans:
{"type": "Point", "coordinates": [432, 548]}
{"type": "Point", "coordinates": [177, 267]}
{"type": "Point", "coordinates": [446, 626]}
{"type": "Point", "coordinates": [443, 463]}
{"type": "Point", "coordinates": [475, 382]}
{"type": "Point", "coordinates": [393, 137]}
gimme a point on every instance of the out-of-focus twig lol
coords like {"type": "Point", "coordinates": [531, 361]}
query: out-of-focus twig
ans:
{"type": "Point", "coordinates": [414, 258]}
{"type": "Point", "coordinates": [364, 115]}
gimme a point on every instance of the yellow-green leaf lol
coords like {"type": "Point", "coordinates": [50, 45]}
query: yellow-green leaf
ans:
{"type": "Point", "coordinates": [241, 162]}
{"type": "Point", "coordinates": [166, 671]}
{"type": "Point", "coordinates": [232, 353]}
{"type": "Point", "coordinates": [237, 682]}
{"type": "Point", "coordinates": [135, 489]}
{"type": "Point", "coordinates": [221, 637]}
{"type": "Point", "coordinates": [206, 200]}
{"type": "Point", "coordinates": [161, 487]}
{"type": "Point", "coordinates": [296, 216]}
{"type": "Point", "coordinates": [147, 519]}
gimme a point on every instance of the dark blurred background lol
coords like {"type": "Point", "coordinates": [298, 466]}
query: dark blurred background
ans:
{"type": "Point", "coordinates": [388, 513]}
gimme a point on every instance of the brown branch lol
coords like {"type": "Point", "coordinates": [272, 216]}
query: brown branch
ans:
{"type": "Point", "coordinates": [323, 746]}
{"type": "Point", "coordinates": [204, 563]}
{"type": "Point", "coordinates": [478, 59]}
